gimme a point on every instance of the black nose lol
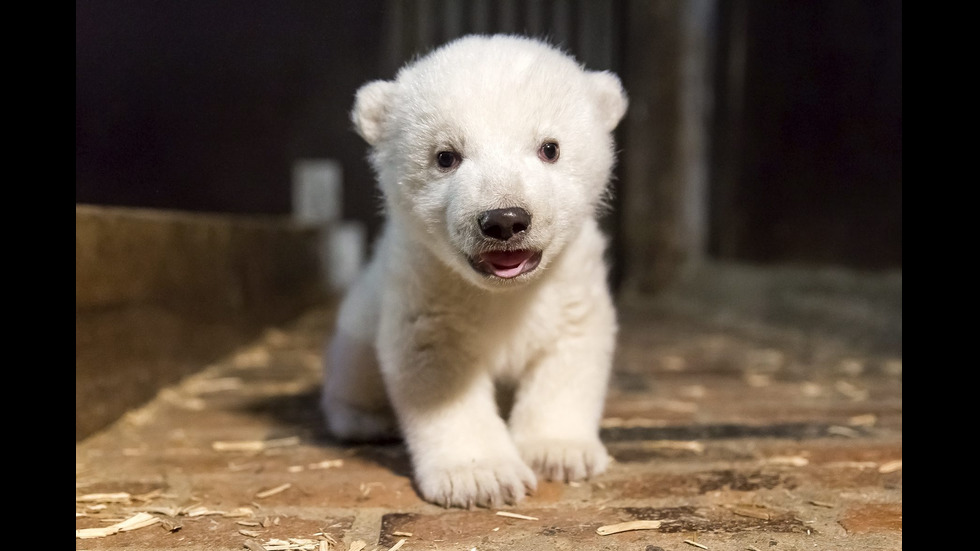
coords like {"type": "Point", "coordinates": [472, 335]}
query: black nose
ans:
{"type": "Point", "coordinates": [503, 224]}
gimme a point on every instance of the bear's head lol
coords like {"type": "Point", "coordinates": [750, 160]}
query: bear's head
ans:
{"type": "Point", "coordinates": [492, 151]}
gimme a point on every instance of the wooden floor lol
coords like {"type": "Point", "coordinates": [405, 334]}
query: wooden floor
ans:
{"type": "Point", "coordinates": [750, 409]}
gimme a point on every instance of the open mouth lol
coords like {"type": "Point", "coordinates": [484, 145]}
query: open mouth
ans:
{"type": "Point", "coordinates": [506, 264]}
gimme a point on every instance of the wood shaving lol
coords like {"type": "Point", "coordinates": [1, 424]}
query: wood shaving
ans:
{"type": "Point", "coordinates": [398, 545]}
{"type": "Point", "coordinates": [275, 337]}
{"type": "Point", "coordinates": [293, 544]}
{"type": "Point", "coordinates": [139, 520]}
{"type": "Point", "coordinates": [254, 445]}
{"type": "Point", "coordinates": [273, 491]}
{"type": "Point", "coordinates": [893, 367]}
{"type": "Point", "coordinates": [851, 391]}
{"type": "Point", "coordinates": [253, 545]}
{"type": "Point", "coordinates": [627, 526]}
{"type": "Point", "coordinates": [200, 511]}
{"type": "Point", "coordinates": [752, 548]}
{"type": "Point", "coordinates": [252, 358]}
{"type": "Point", "coordinates": [149, 496]}
{"type": "Point", "coordinates": [326, 464]}
{"type": "Point", "coordinates": [248, 523]}
{"type": "Point", "coordinates": [852, 465]}
{"type": "Point", "coordinates": [237, 467]}
{"type": "Point", "coordinates": [403, 534]}
{"type": "Point", "coordinates": [866, 420]}
{"type": "Point", "coordinates": [169, 511]}
{"type": "Point", "coordinates": [632, 422]}
{"type": "Point", "coordinates": [891, 466]}
{"type": "Point", "coordinates": [811, 389]}
{"type": "Point", "coordinates": [840, 430]}
{"type": "Point", "coordinates": [678, 406]}
{"type": "Point", "coordinates": [170, 526]}
{"type": "Point", "coordinates": [693, 391]}
{"type": "Point", "coordinates": [250, 533]}
{"type": "Point", "coordinates": [686, 445]}
{"type": "Point", "coordinates": [515, 515]}
{"type": "Point", "coordinates": [821, 504]}
{"type": "Point", "coordinates": [851, 366]}
{"type": "Point", "coordinates": [695, 544]}
{"type": "Point", "coordinates": [789, 460]}
{"type": "Point", "coordinates": [367, 487]}
{"type": "Point", "coordinates": [758, 380]}
{"type": "Point", "coordinates": [207, 386]}
{"type": "Point", "coordinates": [752, 513]}
{"type": "Point", "coordinates": [357, 545]}
{"type": "Point", "coordinates": [117, 497]}
{"type": "Point", "coordinates": [190, 403]}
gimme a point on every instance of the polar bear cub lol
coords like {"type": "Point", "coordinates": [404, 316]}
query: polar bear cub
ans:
{"type": "Point", "coordinates": [493, 155]}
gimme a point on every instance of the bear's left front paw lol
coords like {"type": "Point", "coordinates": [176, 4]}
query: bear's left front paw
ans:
{"type": "Point", "coordinates": [565, 460]}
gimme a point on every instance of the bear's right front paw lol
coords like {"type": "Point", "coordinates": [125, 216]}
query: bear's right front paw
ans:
{"type": "Point", "coordinates": [489, 483]}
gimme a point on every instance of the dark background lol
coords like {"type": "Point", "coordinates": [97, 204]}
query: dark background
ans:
{"type": "Point", "coordinates": [204, 106]}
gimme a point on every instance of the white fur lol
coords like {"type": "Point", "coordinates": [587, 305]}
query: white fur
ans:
{"type": "Point", "coordinates": [424, 339]}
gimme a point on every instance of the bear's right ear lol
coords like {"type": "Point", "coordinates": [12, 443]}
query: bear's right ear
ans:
{"type": "Point", "coordinates": [370, 107]}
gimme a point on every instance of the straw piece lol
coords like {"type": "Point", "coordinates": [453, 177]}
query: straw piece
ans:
{"type": "Point", "coordinates": [117, 497]}
{"type": "Point", "coordinates": [515, 515]}
{"type": "Point", "coordinates": [254, 445]}
{"type": "Point", "coordinates": [273, 491]}
{"type": "Point", "coordinates": [627, 526]}
{"type": "Point", "coordinates": [139, 520]}
{"type": "Point", "coordinates": [891, 466]}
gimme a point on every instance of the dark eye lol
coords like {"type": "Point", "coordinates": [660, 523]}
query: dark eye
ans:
{"type": "Point", "coordinates": [448, 159]}
{"type": "Point", "coordinates": [548, 152]}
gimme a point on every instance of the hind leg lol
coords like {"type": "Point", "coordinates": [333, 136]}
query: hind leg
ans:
{"type": "Point", "coordinates": [354, 399]}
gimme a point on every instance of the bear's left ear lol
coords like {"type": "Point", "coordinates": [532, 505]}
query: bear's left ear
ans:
{"type": "Point", "coordinates": [610, 97]}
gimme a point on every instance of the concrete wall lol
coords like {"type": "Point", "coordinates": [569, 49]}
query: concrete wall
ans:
{"type": "Point", "coordinates": [158, 294]}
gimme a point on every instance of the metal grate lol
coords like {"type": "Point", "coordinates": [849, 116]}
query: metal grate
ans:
{"type": "Point", "coordinates": [589, 30]}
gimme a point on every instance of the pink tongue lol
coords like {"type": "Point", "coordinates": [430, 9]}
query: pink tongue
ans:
{"type": "Point", "coordinates": [506, 264]}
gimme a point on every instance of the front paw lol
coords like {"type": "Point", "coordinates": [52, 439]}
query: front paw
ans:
{"type": "Point", "coordinates": [483, 483]}
{"type": "Point", "coordinates": [565, 460]}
